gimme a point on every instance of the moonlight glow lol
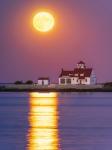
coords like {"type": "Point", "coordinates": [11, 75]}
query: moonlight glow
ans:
{"type": "Point", "coordinates": [43, 21]}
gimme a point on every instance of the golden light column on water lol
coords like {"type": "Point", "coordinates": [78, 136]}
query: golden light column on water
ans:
{"type": "Point", "coordinates": [43, 120]}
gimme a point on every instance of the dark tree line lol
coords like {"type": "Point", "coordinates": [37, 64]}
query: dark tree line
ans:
{"type": "Point", "coordinates": [108, 84]}
{"type": "Point", "coordinates": [21, 82]}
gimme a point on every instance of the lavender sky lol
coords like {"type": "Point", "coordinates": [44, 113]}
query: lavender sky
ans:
{"type": "Point", "coordinates": [83, 31]}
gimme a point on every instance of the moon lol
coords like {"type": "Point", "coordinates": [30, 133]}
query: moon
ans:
{"type": "Point", "coordinates": [43, 21]}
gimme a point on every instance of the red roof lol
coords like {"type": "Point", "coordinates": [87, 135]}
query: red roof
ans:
{"type": "Point", "coordinates": [43, 78]}
{"type": "Point", "coordinates": [86, 71]}
{"type": "Point", "coordinates": [81, 62]}
{"type": "Point", "coordinates": [78, 72]}
{"type": "Point", "coordinates": [66, 73]}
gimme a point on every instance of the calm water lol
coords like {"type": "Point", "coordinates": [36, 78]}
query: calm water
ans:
{"type": "Point", "coordinates": [62, 121]}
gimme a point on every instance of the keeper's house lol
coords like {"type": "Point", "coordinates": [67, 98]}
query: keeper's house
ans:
{"type": "Point", "coordinates": [81, 75]}
{"type": "Point", "coordinates": [43, 81]}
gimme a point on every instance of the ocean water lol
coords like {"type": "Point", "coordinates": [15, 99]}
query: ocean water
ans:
{"type": "Point", "coordinates": [55, 121]}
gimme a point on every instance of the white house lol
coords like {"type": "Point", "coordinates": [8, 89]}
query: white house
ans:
{"type": "Point", "coordinates": [43, 81]}
{"type": "Point", "coordinates": [80, 75]}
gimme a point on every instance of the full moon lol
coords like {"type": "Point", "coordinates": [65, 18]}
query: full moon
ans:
{"type": "Point", "coordinates": [43, 21]}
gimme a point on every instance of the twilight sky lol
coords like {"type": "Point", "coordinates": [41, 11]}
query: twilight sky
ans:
{"type": "Point", "coordinates": [83, 31]}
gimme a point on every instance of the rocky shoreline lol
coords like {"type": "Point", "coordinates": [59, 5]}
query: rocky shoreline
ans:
{"type": "Point", "coordinates": [54, 88]}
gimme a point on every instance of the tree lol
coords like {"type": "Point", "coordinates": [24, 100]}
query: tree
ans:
{"type": "Point", "coordinates": [108, 84]}
{"type": "Point", "coordinates": [18, 82]}
{"type": "Point", "coordinates": [29, 82]}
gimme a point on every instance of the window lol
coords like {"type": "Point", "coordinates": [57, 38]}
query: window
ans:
{"type": "Point", "coordinates": [68, 81]}
{"type": "Point", "coordinates": [62, 81]}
